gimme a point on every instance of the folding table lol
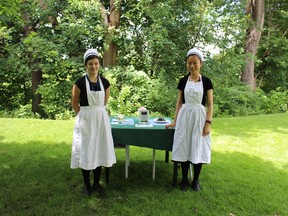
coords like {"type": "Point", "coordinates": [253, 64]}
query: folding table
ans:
{"type": "Point", "coordinates": [153, 135]}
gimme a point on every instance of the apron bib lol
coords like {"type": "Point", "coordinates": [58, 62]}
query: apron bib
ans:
{"type": "Point", "coordinates": [95, 98]}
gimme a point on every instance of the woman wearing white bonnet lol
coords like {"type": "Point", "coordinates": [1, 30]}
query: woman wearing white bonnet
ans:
{"type": "Point", "coordinates": [93, 146]}
{"type": "Point", "coordinates": [192, 122]}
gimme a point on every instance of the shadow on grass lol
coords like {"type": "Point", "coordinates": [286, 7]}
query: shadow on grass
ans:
{"type": "Point", "coordinates": [37, 178]}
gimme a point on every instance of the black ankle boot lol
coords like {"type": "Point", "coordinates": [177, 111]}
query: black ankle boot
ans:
{"type": "Point", "coordinates": [184, 185]}
{"type": "Point", "coordinates": [99, 190]}
{"type": "Point", "coordinates": [87, 189]}
{"type": "Point", "coordinates": [195, 185]}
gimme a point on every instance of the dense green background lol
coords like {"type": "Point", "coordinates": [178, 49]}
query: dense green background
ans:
{"type": "Point", "coordinates": [153, 39]}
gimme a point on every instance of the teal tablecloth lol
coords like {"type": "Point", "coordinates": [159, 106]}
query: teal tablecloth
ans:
{"type": "Point", "coordinates": [155, 137]}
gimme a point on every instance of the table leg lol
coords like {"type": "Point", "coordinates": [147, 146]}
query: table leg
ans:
{"type": "Point", "coordinates": [127, 161]}
{"type": "Point", "coordinates": [191, 172]}
{"type": "Point", "coordinates": [166, 156]}
{"type": "Point", "coordinates": [154, 164]}
{"type": "Point", "coordinates": [175, 169]}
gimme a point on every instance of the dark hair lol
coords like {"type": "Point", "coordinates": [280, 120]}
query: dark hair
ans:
{"type": "Point", "coordinates": [91, 57]}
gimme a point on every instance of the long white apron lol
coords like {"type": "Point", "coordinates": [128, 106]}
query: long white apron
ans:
{"type": "Point", "coordinates": [189, 143]}
{"type": "Point", "coordinates": [93, 144]}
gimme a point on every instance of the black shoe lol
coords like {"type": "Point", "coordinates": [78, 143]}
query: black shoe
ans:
{"type": "Point", "coordinates": [87, 190]}
{"type": "Point", "coordinates": [184, 185]}
{"type": "Point", "coordinates": [195, 185]}
{"type": "Point", "coordinates": [99, 190]}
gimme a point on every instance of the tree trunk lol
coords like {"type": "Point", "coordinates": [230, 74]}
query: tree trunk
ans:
{"type": "Point", "coordinates": [256, 9]}
{"type": "Point", "coordinates": [111, 21]}
{"type": "Point", "coordinates": [36, 100]}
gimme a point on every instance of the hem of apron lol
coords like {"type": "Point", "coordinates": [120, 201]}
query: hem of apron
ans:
{"type": "Point", "coordinates": [179, 160]}
{"type": "Point", "coordinates": [106, 165]}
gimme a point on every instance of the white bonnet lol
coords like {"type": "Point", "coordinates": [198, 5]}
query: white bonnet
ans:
{"type": "Point", "coordinates": [195, 51]}
{"type": "Point", "coordinates": [90, 52]}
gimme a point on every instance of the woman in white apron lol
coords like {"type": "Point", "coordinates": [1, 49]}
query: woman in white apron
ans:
{"type": "Point", "coordinates": [93, 146]}
{"type": "Point", "coordinates": [192, 120]}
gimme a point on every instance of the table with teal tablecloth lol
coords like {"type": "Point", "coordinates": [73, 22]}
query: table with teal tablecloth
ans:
{"type": "Point", "coordinates": [152, 134]}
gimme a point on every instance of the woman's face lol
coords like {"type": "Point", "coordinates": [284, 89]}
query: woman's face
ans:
{"type": "Point", "coordinates": [93, 66]}
{"type": "Point", "coordinates": [193, 64]}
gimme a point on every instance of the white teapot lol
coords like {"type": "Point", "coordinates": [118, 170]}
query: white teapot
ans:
{"type": "Point", "coordinates": [143, 114]}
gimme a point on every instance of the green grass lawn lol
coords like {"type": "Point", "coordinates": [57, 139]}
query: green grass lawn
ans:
{"type": "Point", "coordinates": [248, 174]}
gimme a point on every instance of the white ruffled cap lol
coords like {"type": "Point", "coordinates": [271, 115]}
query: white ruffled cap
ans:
{"type": "Point", "coordinates": [195, 51]}
{"type": "Point", "coordinates": [90, 52]}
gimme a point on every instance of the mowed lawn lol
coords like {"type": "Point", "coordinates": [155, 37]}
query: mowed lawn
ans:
{"type": "Point", "coordinates": [248, 174]}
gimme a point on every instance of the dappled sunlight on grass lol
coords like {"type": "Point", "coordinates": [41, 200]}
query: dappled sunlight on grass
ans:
{"type": "Point", "coordinates": [248, 174]}
{"type": "Point", "coordinates": [267, 139]}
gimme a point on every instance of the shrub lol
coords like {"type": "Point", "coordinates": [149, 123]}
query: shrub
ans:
{"type": "Point", "coordinates": [24, 111]}
{"type": "Point", "coordinates": [276, 101]}
{"type": "Point", "coordinates": [240, 101]}
{"type": "Point", "coordinates": [128, 90]}
{"type": "Point", "coordinates": [237, 101]}
{"type": "Point", "coordinates": [131, 89]}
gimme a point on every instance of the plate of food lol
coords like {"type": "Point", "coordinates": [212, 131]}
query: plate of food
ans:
{"type": "Point", "coordinates": [119, 120]}
{"type": "Point", "coordinates": [161, 120]}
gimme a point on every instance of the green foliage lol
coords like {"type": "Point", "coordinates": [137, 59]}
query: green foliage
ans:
{"type": "Point", "coordinates": [66, 115]}
{"type": "Point", "coordinates": [24, 111]}
{"type": "Point", "coordinates": [225, 68]}
{"type": "Point", "coordinates": [276, 101]}
{"type": "Point", "coordinates": [152, 40]}
{"type": "Point", "coordinates": [240, 101]}
{"type": "Point", "coordinates": [162, 97]}
{"type": "Point", "coordinates": [53, 48]}
{"type": "Point", "coordinates": [237, 101]}
{"type": "Point", "coordinates": [271, 70]}
{"type": "Point", "coordinates": [128, 90]}
{"type": "Point", "coordinates": [273, 64]}
{"type": "Point", "coordinates": [9, 9]}
{"type": "Point", "coordinates": [131, 89]}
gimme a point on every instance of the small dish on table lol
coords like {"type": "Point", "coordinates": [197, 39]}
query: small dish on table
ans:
{"type": "Point", "coordinates": [161, 120]}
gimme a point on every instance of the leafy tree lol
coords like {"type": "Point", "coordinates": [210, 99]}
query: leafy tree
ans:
{"type": "Point", "coordinates": [271, 69]}
{"type": "Point", "coordinates": [53, 48]}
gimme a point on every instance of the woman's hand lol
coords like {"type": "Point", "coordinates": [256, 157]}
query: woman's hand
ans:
{"type": "Point", "coordinates": [171, 125]}
{"type": "Point", "coordinates": [206, 129]}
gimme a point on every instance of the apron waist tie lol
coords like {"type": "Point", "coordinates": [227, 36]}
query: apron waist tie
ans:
{"type": "Point", "coordinates": [192, 105]}
{"type": "Point", "coordinates": [99, 107]}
